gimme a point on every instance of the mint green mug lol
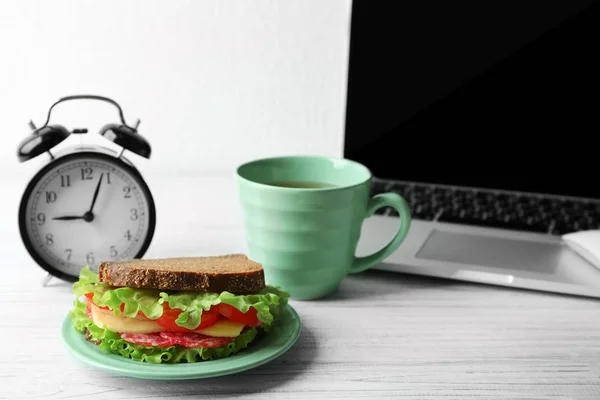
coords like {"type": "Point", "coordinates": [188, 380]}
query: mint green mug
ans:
{"type": "Point", "coordinates": [303, 217]}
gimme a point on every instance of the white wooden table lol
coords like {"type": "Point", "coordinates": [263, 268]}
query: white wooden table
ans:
{"type": "Point", "coordinates": [381, 335]}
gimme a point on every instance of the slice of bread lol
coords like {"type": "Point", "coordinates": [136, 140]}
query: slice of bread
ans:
{"type": "Point", "coordinates": [233, 273]}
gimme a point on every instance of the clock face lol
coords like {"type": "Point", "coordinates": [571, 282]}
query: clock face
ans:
{"type": "Point", "coordinates": [84, 209]}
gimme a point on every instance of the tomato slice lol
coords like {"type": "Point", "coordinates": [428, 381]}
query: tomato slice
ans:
{"type": "Point", "coordinates": [248, 318]}
{"type": "Point", "coordinates": [169, 315]}
{"type": "Point", "coordinates": [89, 296]}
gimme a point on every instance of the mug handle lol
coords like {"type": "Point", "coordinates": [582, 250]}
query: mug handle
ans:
{"type": "Point", "coordinates": [397, 202]}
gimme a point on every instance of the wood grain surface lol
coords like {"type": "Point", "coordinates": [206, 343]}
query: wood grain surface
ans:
{"type": "Point", "coordinates": [382, 335]}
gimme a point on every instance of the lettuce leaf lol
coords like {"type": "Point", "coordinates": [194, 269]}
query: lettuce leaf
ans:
{"type": "Point", "coordinates": [111, 342]}
{"type": "Point", "coordinates": [192, 305]}
{"type": "Point", "coordinates": [269, 303]}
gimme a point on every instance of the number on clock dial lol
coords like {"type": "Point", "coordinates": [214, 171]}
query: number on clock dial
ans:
{"type": "Point", "coordinates": [56, 214]}
{"type": "Point", "coordinates": [86, 173]}
{"type": "Point", "coordinates": [50, 197]}
{"type": "Point", "coordinates": [65, 180]}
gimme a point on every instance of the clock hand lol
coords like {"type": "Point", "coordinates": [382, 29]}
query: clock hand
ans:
{"type": "Point", "coordinates": [96, 193]}
{"type": "Point", "coordinates": [68, 218]}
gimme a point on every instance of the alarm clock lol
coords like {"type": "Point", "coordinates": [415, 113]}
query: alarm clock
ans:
{"type": "Point", "coordinates": [88, 204]}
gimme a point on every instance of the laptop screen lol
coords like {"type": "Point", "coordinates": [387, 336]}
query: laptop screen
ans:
{"type": "Point", "coordinates": [495, 94]}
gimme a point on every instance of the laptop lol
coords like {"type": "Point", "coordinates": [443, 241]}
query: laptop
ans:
{"type": "Point", "coordinates": [481, 115]}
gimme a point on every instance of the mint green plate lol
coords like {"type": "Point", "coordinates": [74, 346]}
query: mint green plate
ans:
{"type": "Point", "coordinates": [266, 347]}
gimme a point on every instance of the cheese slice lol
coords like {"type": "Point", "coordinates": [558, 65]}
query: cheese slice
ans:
{"type": "Point", "coordinates": [223, 328]}
{"type": "Point", "coordinates": [117, 323]}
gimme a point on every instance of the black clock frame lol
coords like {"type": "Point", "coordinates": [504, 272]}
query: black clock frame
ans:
{"type": "Point", "coordinates": [91, 152]}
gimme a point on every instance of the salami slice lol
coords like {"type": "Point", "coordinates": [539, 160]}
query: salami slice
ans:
{"type": "Point", "coordinates": [196, 339]}
{"type": "Point", "coordinates": [147, 339]}
{"type": "Point", "coordinates": [166, 339]}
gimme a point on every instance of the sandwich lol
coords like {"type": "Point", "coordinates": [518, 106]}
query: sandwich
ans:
{"type": "Point", "coordinates": [176, 310]}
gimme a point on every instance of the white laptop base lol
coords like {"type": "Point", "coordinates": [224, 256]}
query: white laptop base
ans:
{"type": "Point", "coordinates": [484, 255]}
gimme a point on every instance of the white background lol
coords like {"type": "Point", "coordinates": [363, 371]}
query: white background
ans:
{"type": "Point", "coordinates": [215, 83]}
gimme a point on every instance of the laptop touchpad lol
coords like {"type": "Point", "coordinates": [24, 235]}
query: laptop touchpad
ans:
{"type": "Point", "coordinates": [491, 251]}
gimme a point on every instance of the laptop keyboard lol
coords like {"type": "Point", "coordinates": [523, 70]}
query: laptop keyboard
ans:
{"type": "Point", "coordinates": [486, 208]}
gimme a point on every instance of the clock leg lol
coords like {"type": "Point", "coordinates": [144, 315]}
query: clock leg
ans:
{"type": "Point", "coordinates": [46, 280]}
